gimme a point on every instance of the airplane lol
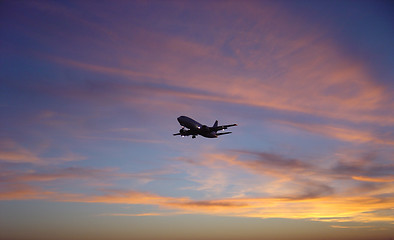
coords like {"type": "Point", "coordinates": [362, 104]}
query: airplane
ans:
{"type": "Point", "coordinates": [195, 128]}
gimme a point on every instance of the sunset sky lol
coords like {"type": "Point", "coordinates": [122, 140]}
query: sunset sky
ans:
{"type": "Point", "coordinates": [90, 92]}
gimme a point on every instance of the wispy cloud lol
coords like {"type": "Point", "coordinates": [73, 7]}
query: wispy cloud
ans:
{"type": "Point", "coordinates": [10, 151]}
{"type": "Point", "coordinates": [339, 91]}
{"type": "Point", "coordinates": [132, 214]}
{"type": "Point", "coordinates": [19, 155]}
{"type": "Point", "coordinates": [123, 139]}
{"type": "Point", "coordinates": [374, 179]}
{"type": "Point", "coordinates": [53, 174]}
{"type": "Point", "coordinates": [293, 67]}
{"type": "Point", "coordinates": [348, 134]}
{"type": "Point", "coordinates": [330, 208]}
{"type": "Point", "coordinates": [297, 195]}
{"type": "Point", "coordinates": [351, 227]}
{"type": "Point", "coordinates": [299, 187]}
{"type": "Point", "coordinates": [13, 191]}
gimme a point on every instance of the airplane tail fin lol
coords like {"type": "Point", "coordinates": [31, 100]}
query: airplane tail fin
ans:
{"type": "Point", "coordinates": [215, 124]}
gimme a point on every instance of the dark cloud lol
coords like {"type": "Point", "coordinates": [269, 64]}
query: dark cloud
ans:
{"type": "Point", "coordinates": [365, 173]}
{"type": "Point", "coordinates": [368, 163]}
{"type": "Point", "coordinates": [365, 167]}
{"type": "Point", "coordinates": [309, 189]}
{"type": "Point", "coordinates": [211, 203]}
{"type": "Point", "coordinates": [271, 161]}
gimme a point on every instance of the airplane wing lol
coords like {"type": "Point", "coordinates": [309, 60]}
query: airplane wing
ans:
{"type": "Point", "coordinates": [218, 128]}
{"type": "Point", "coordinates": [223, 133]}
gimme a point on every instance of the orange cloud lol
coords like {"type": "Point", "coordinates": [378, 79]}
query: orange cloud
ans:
{"type": "Point", "coordinates": [330, 208]}
{"type": "Point", "coordinates": [374, 179]}
{"type": "Point", "coordinates": [351, 227]}
{"type": "Point", "coordinates": [301, 190]}
{"type": "Point", "coordinates": [322, 209]}
{"type": "Point", "coordinates": [60, 174]}
{"type": "Point", "coordinates": [309, 199]}
{"type": "Point", "coordinates": [10, 151]}
{"type": "Point", "coordinates": [20, 191]}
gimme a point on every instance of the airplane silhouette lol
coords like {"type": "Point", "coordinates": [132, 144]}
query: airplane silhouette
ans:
{"type": "Point", "coordinates": [195, 128]}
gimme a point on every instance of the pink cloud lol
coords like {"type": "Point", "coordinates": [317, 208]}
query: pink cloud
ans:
{"type": "Point", "coordinates": [292, 67]}
{"type": "Point", "coordinates": [338, 88]}
{"type": "Point", "coordinates": [344, 133]}
{"type": "Point", "coordinates": [10, 151]}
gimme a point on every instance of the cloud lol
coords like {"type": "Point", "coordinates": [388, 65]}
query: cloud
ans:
{"type": "Point", "coordinates": [336, 209]}
{"type": "Point", "coordinates": [19, 191]}
{"type": "Point", "coordinates": [250, 173]}
{"type": "Point", "coordinates": [331, 207]}
{"type": "Point", "coordinates": [12, 152]}
{"type": "Point", "coordinates": [354, 187]}
{"type": "Point", "coordinates": [374, 179]}
{"type": "Point", "coordinates": [266, 163]}
{"type": "Point", "coordinates": [287, 66]}
{"type": "Point", "coordinates": [52, 174]}
{"type": "Point", "coordinates": [299, 188]}
{"type": "Point", "coordinates": [293, 66]}
{"type": "Point", "coordinates": [346, 165]}
{"type": "Point", "coordinates": [60, 173]}
{"type": "Point", "coordinates": [132, 214]}
{"type": "Point", "coordinates": [126, 139]}
{"type": "Point", "coordinates": [326, 94]}
{"type": "Point", "coordinates": [343, 133]}
{"type": "Point", "coordinates": [351, 227]}
{"type": "Point", "coordinates": [124, 197]}
{"type": "Point", "coordinates": [210, 203]}
{"type": "Point", "coordinates": [101, 69]}
{"type": "Point", "coordinates": [362, 166]}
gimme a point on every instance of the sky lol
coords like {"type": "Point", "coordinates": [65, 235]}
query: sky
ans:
{"type": "Point", "coordinates": [91, 90]}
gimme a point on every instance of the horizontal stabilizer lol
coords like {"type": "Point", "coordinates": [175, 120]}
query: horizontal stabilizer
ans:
{"type": "Point", "coordinates": [218, 128]}
{"type": "Point", "coordinates": [223, 133]}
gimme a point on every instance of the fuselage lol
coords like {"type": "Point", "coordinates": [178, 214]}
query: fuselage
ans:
{"type": "Point", "coordinates": [196, 128]}
{"type": "Point", "coordinates": [189, 123]}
